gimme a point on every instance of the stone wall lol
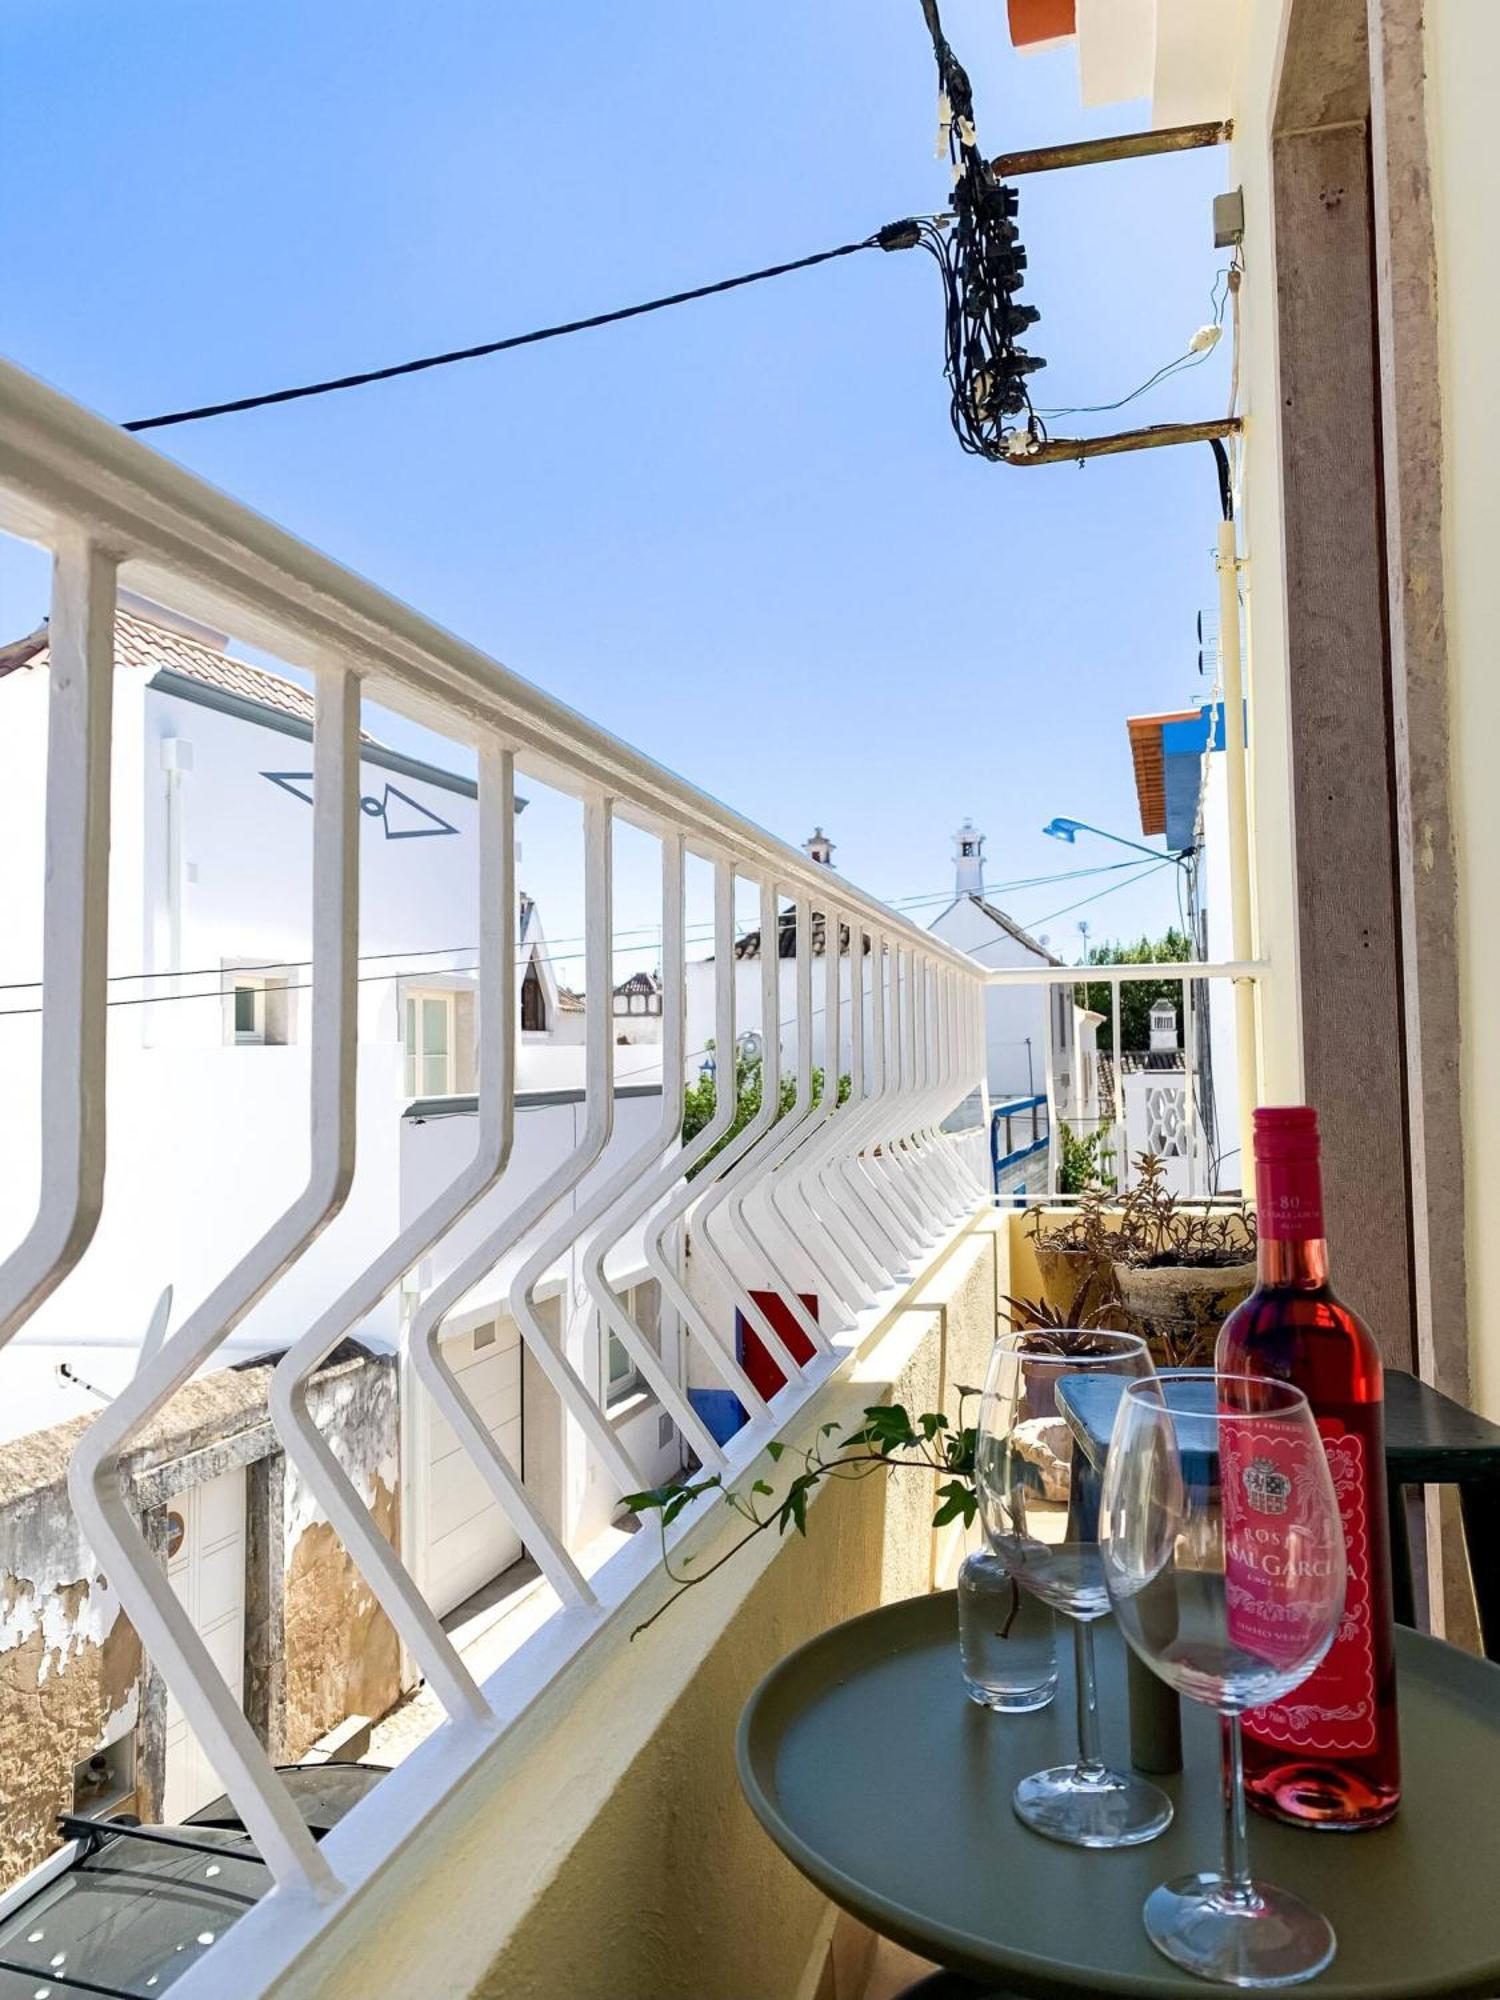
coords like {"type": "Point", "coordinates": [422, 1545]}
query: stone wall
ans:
{"type": "Point", "coordinates": [72, 1675]}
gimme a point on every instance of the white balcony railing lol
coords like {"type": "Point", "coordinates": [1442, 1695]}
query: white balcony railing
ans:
{"type": "Point", "coordinates": [858, 1192]}
{"type": "Point", "coordinates": [1194, 1109]}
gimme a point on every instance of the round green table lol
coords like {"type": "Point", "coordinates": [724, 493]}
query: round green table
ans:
{"type": "Point", "coordinates": [874, 1773]}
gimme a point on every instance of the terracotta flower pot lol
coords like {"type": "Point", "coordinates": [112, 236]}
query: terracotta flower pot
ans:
{"type": "Point", "coordinates": [1179, 1308]}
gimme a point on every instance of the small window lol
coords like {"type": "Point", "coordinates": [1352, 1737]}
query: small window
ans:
{"type": "Point", "coordinates": [257, 1004]}
{"type": "Point", "coordinates": [429, 1045]}
{"type": "Point", "coordinates": [621, 1376]}
{"type": "Point", "coordinates": [249, 1010]}
{"type": "Point", "coordinates": [533, 1003]}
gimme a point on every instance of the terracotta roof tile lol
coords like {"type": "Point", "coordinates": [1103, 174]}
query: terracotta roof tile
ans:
{"type": "Point", "coordinates": [147, 647]}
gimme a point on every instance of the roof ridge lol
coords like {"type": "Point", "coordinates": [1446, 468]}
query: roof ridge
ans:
{"type": "Point", "coordinates": [1009, 924]}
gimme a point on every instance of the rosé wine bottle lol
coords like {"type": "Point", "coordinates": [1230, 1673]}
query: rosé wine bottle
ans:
{"type": "Point", "coordinates": [1329, 1755]}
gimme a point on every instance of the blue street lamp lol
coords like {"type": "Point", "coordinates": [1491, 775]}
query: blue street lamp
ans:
{"type": "Point", "coordinates": [1069, 829]}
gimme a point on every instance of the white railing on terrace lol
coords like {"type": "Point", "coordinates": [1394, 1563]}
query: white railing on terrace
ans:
{"type": "Point", "coordinates": [1202, 1101]}
{"type": "Point", "coordinates": [860, 1192]}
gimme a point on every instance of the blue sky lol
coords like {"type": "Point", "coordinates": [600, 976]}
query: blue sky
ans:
{"type": "Point", "coordinates": [740, 534]}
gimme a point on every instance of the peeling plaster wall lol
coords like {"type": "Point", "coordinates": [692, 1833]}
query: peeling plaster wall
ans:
{"type": "Point", "coordinates": [72, 1674]}
{"type": "Point", "coordinates": [70, 1671]}
{"type": "Point", "coordinates": [355, 1407]}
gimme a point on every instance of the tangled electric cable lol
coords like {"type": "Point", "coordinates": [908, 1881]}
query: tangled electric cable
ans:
{"type": "Point", "coordinates": [982, 262]}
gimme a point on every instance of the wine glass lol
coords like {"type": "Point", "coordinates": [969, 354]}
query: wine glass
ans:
{"type": "Point", "coordinates": [1039, 1502]}
{"type": "Point", "coordinates": [1224, 1559]}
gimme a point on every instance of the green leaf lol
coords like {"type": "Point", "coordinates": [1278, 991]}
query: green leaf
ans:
{"type": "Point", "coordinates": [828, 1430]}
{"type": "Point", "coordinates": [761, 1486]}
{"type": "Point", "coordinates": [887, 1427]}
{"type": "Point", "coordinates": [793, 1512]}
{"type": "Point", "coordinates": [774, 1451]}
{"type": "Point", "coordinates": [959, 1450]}
{"type": "Point", "coordinates": [957, 1499]}
{"type": "Point", "coordinates": [931, 1424]}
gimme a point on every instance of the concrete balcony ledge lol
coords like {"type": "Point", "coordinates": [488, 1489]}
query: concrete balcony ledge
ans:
{"type": "Point", "coordinates": [599, 1849]}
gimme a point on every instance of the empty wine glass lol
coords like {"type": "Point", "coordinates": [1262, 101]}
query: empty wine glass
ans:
{"type": "Point", "coordinates": [1039, 1502]}
{"type": "Point", "coordinates": [1224, 1558]}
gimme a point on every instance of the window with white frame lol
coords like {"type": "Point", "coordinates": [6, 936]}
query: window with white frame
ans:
{"type": "Point", "coordinates": [257, 1004]}
{"type": "Point", "coordinates": [431, 1045]}
{"type": "Point", "coordinates": [622, 1378]}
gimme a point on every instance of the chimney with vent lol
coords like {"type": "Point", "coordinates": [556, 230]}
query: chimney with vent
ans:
{"type": "Point", "coordinates": [968, 860]}
{"type": "Point", "coordinates": [819, 848]}
{"type": "Point", "coordinates": [1163, 1026]}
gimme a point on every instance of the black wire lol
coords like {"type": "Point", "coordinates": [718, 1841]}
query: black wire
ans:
{"type": "Point", "coordinates": [981, 261]}
{"type": "Point", "coordinates": [894, 236]}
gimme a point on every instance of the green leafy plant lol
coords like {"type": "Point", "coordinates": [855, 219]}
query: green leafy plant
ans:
{"type": "Point", "coordinates": [1168, 1269]}
{"type": "Point", "coordinates": [1137, 997]}
{"type": "Point", "coordinates": [1091, 1226]}
{"type": "Point", "coordinates": [889, 1437]}
{"type": "Point", "coordinates": [1155, 1227]}
{"type": "Point", "coordinates": [1043, 1316]}
{"type": "Point", "coordinates": [1147, 1225]}
{"type": "Point", "coordinates": [701, 1098]}
{"type": "Point", "coordinates": [1082, 1163]}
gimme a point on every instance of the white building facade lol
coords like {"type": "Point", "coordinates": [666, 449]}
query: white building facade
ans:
{"type": "Point", "coordinates": [209, 1034]}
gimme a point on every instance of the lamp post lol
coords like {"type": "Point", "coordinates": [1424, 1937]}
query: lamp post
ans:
{"type": "Point", "coordinates": [1069, 830]}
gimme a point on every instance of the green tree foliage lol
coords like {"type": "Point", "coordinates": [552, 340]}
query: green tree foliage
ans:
{"type": "Point", "coordinates": [1085, 1159]}
{"type": "Point", "coordinates": [702, 1096]}
{"type": "Point", "coordinates": [1137, 999]}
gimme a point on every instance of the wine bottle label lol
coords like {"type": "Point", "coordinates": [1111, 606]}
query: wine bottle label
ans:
{"type": "Point", "coordinates": [1289, 1200]}
{"type": "Point", "coordinates": [1334, 1709]}
{"type": "Point", "coordinates": [1280, 1575]}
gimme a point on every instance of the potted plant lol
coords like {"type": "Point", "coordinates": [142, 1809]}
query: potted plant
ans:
{"type": "Point", "coordinates": [1170, 1270]}
{"type": "Point", "coordinates": [1179, 1268]}
{"type": "Point", "coordinates": [1075, 1257]}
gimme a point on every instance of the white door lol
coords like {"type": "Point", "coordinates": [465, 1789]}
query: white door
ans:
{"type": "Point", "coordinates": [206, 1568]}
{"type": "Point", "coordinates": [469, 1540]}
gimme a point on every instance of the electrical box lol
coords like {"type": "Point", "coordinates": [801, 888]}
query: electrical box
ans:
{"type": "Point", "coordinates": [1229, 219]}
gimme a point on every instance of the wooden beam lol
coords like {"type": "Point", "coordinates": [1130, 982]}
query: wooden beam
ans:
{"type": "Point", "coordinates": [1126, 146]}
{"type": "Point", "coordinates": [1067, 451]}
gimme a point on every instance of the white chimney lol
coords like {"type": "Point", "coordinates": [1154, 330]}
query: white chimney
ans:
{"type": "Point", "coordinates": [1163, 1025]}
{"type": "Point", "coordinates": [818, 847]}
